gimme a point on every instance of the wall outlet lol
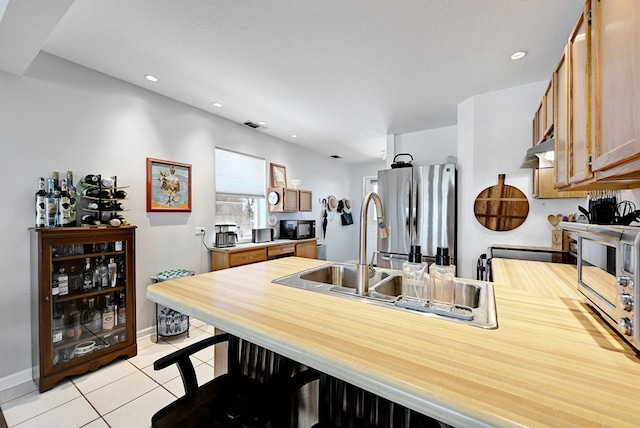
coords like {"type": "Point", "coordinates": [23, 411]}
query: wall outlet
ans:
{"type": "Point", "coordinates": [199, 230]}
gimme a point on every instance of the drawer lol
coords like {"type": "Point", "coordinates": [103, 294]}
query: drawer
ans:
{"type": "Point", "coordinates": [245, 257]}
{"type": "Point", "coordinates": [281, 250]}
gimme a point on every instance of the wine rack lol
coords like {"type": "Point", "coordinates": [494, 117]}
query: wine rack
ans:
{"type": "Point", "coordinates": [102, 202]}
{"type": "Point", "coordinates": [83, 314]}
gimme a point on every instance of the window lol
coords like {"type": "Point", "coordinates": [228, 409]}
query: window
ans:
{"type": "Point", "coordinates": [240, 191]}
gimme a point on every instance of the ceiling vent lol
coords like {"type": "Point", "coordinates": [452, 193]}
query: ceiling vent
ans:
{"type": "Point", "coordinates": [253, 125]}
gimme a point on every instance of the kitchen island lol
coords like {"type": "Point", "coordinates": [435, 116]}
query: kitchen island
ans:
{"type": "Point", "coordinates": [550, 362]}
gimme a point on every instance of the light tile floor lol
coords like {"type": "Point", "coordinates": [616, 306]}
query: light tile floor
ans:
{"type": "Point", "coordinates": [125, 393]}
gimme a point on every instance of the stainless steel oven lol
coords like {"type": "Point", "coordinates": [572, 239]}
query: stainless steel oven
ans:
{"type": "Point", "coordinates": [609, 274]}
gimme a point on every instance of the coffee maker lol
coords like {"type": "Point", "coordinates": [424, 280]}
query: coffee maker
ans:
{"type": "Point", "coordinates": [226, 235]}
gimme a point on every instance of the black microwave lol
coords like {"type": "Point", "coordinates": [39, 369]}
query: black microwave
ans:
{"type": "Point", "coordinates": [297, 229]}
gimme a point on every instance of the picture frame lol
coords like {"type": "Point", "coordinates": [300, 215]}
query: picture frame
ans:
{"type": "Point", "coordinates": [278, 175]}
{"type": "Point", "coordinates": [168, 186]}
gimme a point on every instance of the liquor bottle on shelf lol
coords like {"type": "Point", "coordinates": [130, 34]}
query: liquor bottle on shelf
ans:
{"type": "Point", "coordinates": [107, 314]}
{"type": "Point", "coordinates": [104, 274]}
{"type": "Point", "coordinates": [74, 329]}
{"type": "Point", "coordinates": [95, 284]}
{"type": "Point", "coordinates": [112, 269]}
{"type": "Point", "coordinates": [75, 280]}
{"type": "Point", "coordinates": [58, 324]}
{"type": "Point", "coordinates": [96, 315]}
{"type": "Point", "coordinates": [55, 287]}
{"type": "Point", "coordinates": [122, 279]}
{"type": "Point", "coordinates": [51, 205]}
{"type": "Point", "coordinates": [41, 212]}
{"type": "Point", "coordinates": [63, 283]}
{"type": "Point", "coordinates": [72, 198]}
{"type": "Point", "coordinates": [122, 309]}
{"type": "Point", "coordinates": [64, 206]}
{"type": "Point", "coordinates": [87, 276]}
{"type": "Point", "coordinates": [56, 182]}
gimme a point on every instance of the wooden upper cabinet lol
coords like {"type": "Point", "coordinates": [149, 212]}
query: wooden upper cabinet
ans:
{"type": "Point", "coordinates": [548, 109]}
{"type": "Point", "coordinates": [542, 120]}
{"type": "Point", "coordinates": [561, 121]}
{"type": "Point", "coordinates": [616, 52]}
{"type": "Point", "coordinates": [579, 62]}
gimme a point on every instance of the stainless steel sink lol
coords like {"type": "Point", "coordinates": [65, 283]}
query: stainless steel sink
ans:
{"type": "Point", "coordinates": [385, 286]}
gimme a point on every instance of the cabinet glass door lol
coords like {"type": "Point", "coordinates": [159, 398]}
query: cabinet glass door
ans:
{"type": "Point", "coordinates": [89, 298]}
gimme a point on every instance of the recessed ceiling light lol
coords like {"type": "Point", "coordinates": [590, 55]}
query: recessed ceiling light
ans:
{"type": "Point", "coordinates": [518, 55]}
{"type": "Point", "coordinates": [151, 77]}
{"type": "Point", "coordinates": [217, 105]}
{"type": "Point", "coordinates": [294, 136]}
{"type": "Point", "coordinates": [262, 123]}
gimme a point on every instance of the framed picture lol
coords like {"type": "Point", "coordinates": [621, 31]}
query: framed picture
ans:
{"type": "Point", "coordinates": [168, 186]}
{"type": "Point", "coordinates": [278, 175]}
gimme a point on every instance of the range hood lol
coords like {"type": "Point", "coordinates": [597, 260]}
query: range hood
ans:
{"type": "Point", "coordinates": [540, 156]}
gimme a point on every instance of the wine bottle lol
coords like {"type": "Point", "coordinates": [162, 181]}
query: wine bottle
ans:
{"type": "Point", "coordinates": [64, 205]}
{"type": "Point", "coordinates": [92, 192]}
{"type": "Point", "coordinates": [89, 220]}
{"type": "Point", "coordinates": [40, 206]}
{"type": "Point", "coordinates": [119, 194]}
{"type": "Point", "coordinates": [107, 182]}
{"type": "Point", "coordinates": [92, 179]}
{"type": "Point", "coordinates": [51, 205]}
{"type": "Point", "coordinates": [72, 198]}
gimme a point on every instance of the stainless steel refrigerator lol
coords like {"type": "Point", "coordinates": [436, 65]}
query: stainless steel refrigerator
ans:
{"type": "Point", "coordinates": [419, 205]}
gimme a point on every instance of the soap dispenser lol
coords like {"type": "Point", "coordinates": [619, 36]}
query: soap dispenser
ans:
{"type": "Point", "coordinates": [441, 280]}
{"type": "Point", "coordinates": [413, 276]}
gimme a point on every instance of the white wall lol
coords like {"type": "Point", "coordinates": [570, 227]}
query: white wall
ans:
{"type": "Point", "coordinates": [429, 147]}
{"type": "Point", "coordinates": [494, 132]}
{"type": "Point", "coordinates": [60, 116]}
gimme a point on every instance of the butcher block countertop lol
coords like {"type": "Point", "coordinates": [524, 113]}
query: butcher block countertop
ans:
{"type": "Point", "coordinates": [550, 362]}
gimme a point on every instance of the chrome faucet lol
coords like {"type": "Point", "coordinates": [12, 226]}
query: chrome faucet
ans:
{"type": "Point", "coordinates": [362, 268]}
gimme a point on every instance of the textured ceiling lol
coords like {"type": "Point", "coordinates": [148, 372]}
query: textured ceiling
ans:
{"type": "Point", "coordinates": [339, 74]}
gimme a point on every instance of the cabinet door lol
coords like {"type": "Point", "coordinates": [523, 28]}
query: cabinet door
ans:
{"type": "Point", "coordinates": [306, 200]}
{"type": "Point", "coordinates": [307, 249]}
{"type": "Point", "coordinates": [579, 101]}
{"type": "Point", "coordinates": [542, 120]}
{"type": "Point", "coordinates": [561, 122]}
{"type": "Point", "coordinates": [616, 38]}
{"type": "Point", "coordinates": [548, 109]}
{"type": "Point", "coordinates": [290, 199]}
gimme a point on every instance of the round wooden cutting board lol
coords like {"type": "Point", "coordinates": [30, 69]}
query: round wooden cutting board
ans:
{"type": "Point", "coordinates": [501, 207]}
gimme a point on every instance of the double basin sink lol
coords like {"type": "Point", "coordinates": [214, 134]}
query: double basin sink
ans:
{"type": "Point", "coordinates": [385, 287]}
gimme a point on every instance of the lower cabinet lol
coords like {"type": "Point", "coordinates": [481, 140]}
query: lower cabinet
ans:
{"type": "Point", "coordinates": [307, 249]}
{"type": "Point", "coordinates": [82, 300]}
{"type": "Point", "coordinates": [224, 258]}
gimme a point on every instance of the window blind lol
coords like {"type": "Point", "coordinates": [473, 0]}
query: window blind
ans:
{"type": "Point", "coordinates": [239, 174]}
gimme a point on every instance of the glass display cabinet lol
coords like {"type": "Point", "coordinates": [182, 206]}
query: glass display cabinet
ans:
{"type": "Point", "coordinates": [83, 300]}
